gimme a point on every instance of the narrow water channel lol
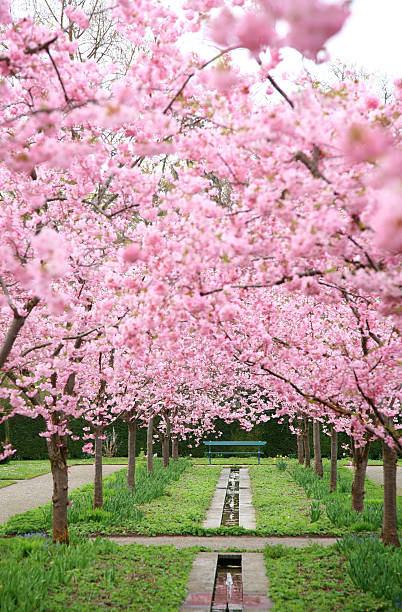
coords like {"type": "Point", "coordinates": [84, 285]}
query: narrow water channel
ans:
{"type": "Point", "coordinates": [230, 514]}
{"type": "Point", "coordinates": [228, 590]}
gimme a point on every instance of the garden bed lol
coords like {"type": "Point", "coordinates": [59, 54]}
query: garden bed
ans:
{"type": "Point", "coordinates": [312, 509]}
{"type": "Point", "coordinates": [172, 500]}
{"type": "Point", "coordinates": [315, 579]}
{"type": "Point", "coordinates": [36, 575]}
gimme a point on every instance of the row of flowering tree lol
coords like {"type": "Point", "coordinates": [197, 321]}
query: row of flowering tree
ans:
{"type": "Point", "coordinates": [167, 238]}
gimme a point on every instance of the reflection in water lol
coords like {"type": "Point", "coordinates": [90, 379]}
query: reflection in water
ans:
{"type": "Point", "coordinates": [230, 514]}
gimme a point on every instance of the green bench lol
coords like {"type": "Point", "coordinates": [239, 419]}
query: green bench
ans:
{"type": "Point", "coordinates": [256, 453]}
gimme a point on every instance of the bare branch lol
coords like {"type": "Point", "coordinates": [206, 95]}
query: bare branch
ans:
{"type": "Point", "coordinates": [311, 163]}
{"type": "Point", "coordinates": [280, 91]}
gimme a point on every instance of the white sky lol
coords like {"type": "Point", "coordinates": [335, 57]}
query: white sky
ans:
{"type": "Point", "coordinates": [371, 39]}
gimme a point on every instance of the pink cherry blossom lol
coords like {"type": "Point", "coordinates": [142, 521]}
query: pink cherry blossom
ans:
{"type": "Point", "coordinates": [78, 16]}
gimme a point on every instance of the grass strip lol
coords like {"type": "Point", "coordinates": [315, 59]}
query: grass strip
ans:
{"type": "Point", "coordinates": [233, 460]}
{"type": "Point", "coordinates": [23, 470]}
{"type": "Point", "coordinates": [281, 505]}
{"type": "Point", "coordinates": [36, 575]}
{"type": "Point", "coordinates": [314, 579]}
{"type": "Point", "coordinates": [5, 483]}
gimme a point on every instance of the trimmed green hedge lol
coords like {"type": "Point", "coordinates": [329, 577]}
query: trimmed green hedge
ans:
{"type": "Point", "coordinates": [24, 436]}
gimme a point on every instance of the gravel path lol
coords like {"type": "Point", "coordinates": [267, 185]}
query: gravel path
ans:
{"type": "Point", "coordinates": [27, 494]}
{"type": "Point", "coordinates": [223, 542]}
{"type": "Point", "coordinates": [375, 472]}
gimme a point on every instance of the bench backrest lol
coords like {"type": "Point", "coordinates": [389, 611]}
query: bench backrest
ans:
{"type": "Point", "coordinates": [230, 443]}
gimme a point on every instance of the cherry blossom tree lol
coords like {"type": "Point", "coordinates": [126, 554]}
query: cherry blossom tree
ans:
{"type": "Point", "coordinates": [210, 241]}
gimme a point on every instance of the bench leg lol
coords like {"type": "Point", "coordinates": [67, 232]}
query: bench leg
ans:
{"type": "Point", "coordinates": [258, 456]}
{"type": "Point", "coordinates": [209, 458]}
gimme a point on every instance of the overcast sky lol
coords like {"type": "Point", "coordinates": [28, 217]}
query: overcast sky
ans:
{"type": "Point", "coordinates": [371, 39]}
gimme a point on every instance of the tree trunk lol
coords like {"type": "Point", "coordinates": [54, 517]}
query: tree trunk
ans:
{"type": "Point", "coordinates": [132, 440]}
{"type": "Point", "coordinates": [317, 449]}
{"type": "Point", "coordinates": [306, 441]}
{"type": "Point", "coordinates": [389, 533]}
{"type": "Point", "coordinates": [165, 451]}
{"type": "Point", "coordinates": [300, 451]}
{"type": "Point", "coordinates": [175, 449]}
{"type": "Point", "coordinates": [98, 485]}
{"type": "Point", "coordinates": [166, 443]}
{"type": "Point", "coordinates": [7, 431]}
{"type": "Point", "coordinates": [57, 449]}
{"type": "Point", "coordinates": [334, 460]}
{"type": "Point", "coordinates": [360, 459]}
{"type": "Point", "coordinates": [150, 430]}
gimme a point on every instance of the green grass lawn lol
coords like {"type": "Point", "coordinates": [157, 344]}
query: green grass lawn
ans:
{"type": "Point", "coordinates": [22, 470]}
{"type": "Point", "coordinates": [179, 508]}
{"type": "Point", "coordinates": [175, 500]}
{"type": "Point", "coordinates": [5, 483]}
{"type": "Point", "coordinates": [233, 460]}
{"type": "Point", "coordinates": [348, 460]}
{"type": "Point", "coordinates": [315, 579]}
{"type": "Point", "coordinates": [37, 576]}
{"type": "Point", "coordinates": [281, 505]}
{"type": "Point", "coordinates": [183, 508]}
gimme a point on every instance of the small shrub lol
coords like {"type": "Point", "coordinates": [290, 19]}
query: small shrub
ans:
{"type": "Point", "coordinates": [339, 514]}
{"type": "Point", "coordinates": [281, 464]}
{"type": "Point", "coordinates": [315, 511]}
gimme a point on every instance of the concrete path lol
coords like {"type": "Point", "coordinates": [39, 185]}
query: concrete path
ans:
{"type": "Point", "coordinates": [27, 494]}
{"type": "Point", "coordinates": [247, 517]}
{"type": "Point", "coordinates": [214, 514]}
{"type": "Point", "coordinates": [219, 543]}
{"type": "Point", "coordinates": [375, 472]}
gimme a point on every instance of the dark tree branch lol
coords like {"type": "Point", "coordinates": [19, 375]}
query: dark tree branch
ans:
{"type": "Point", "coordinates": [280, 91]}
{"type": "Point", "coordinates": [14, 329]}
{"type": "Point", "coordinates": [311, 163]}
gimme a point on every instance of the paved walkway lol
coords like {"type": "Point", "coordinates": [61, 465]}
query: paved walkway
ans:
{"type": "Point", "coordinates": [27, 494]}
{"type": "Point", "coordinates": [375, 472]}
{"type": "Point", "coordinates": [222, 542]}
